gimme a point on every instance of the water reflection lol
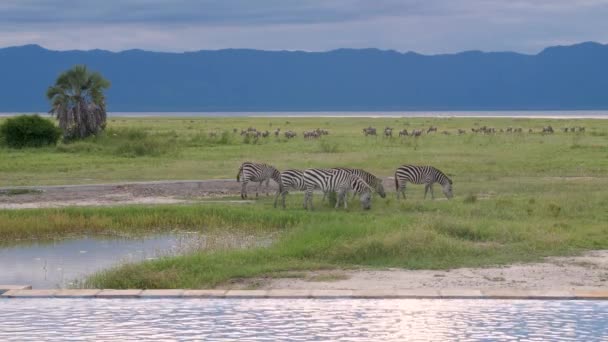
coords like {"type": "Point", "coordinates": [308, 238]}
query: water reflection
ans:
{"type": "Point", "coordinates": [57, 264]}
{"type": "Point", "coordinates": [303, 319]}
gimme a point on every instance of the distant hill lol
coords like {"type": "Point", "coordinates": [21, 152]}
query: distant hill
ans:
{"type": "Point", "coordinates": [563, 77]}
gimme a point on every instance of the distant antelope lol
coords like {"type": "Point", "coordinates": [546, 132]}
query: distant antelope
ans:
{"type": "Point", "coordinates": [431, 129]}
{"type": "Point", "coordinates": [403, 133]}
{"type": "Point", "coordinates": [388, 132]}
{"type": "Point", "coordinates": [369, 131]}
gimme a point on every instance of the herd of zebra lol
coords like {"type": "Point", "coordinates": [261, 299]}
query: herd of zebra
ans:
{"type": "Point", "coordinates": [252, 132]}
{"type": "Point", "coordinates": [388, 131]}
{"type": "Point", "coordinates": [340, 180]}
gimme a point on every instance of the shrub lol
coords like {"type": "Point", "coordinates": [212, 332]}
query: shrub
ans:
{"type": "Point", "coordinates": [29, 131]}
{"type": "Point", "coordinates": [470, 198]}
{"type": "Point", "coordinates": [326, 147]}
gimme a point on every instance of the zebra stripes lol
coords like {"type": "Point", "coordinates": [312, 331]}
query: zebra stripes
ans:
{"type": "Point", "coordinates": [373, 181]}
{"type": "Point", "coordinates": [426, 175]}
{"type": "Point", "coordinates": [257, 172]}
{"type": "Point", "coordinates": [335, 180]}
{"type": "Point", "coordinates": [290, 180]}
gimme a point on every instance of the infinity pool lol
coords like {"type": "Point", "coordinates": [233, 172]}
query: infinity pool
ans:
{"type": "Point", "coordinates": [302, 319]}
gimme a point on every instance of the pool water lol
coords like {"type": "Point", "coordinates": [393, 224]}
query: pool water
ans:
{"type": "Point", "coordinates": [302, 319]}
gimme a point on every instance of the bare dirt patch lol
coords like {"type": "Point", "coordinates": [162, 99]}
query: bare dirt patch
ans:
{"type": "Point", "coordinates": [589, 270]}
{"type": "Point", "coordinates": [162, 192]}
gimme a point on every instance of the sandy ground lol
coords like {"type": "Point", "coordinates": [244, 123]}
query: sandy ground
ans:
{"type": "Point", "coordinates": [587, 271]}
{"type": "Point", "coordinates": [162, 192]}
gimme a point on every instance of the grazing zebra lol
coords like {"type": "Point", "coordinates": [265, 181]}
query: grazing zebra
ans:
{"type": "Point", "coordinates": [254, 172]}
{"type": "Point", "coordinates": [290, 180]}
{"type": "Point", "coordinates": [373, 181]}
{"type": "Point", "coordinates": [426, 175]}
{"type": "Point", "coordinates": [336, 180]}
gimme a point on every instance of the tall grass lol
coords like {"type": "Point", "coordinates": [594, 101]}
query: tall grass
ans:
{"type": "Point", "coordinates": [413, 233]}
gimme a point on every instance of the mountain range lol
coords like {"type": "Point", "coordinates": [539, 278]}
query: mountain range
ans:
{"type": "Point", "coordinates": [557, 78]}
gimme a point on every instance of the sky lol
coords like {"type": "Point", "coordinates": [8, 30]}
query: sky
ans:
{"type": "Point", "coordinates": [424, 26]}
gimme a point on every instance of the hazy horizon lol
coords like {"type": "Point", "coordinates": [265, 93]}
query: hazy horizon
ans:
{"type": "Point", "coordinates": [428, 27]}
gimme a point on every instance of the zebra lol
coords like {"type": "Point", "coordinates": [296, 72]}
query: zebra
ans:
{"type": "Point", "coordinates": [290, 180]}
{"type": "Point", "coordinates": [255, 172]}
{"type": "Point", "coordinates": [374, 182]}
{"type": "Point", "coordinates": [336, 180]}
{"type": "Point", "coordinates": [426, 175]}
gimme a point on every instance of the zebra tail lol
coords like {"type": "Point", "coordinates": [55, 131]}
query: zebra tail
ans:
{"type": "Point", "coordinates": [396, 184]}
{"type": "Point", "coordinates": [238, 175]}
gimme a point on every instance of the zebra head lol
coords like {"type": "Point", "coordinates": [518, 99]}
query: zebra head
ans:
{"type": "Point", "coordinates": [366, 200]}
{"type": "Point", "coordinates": [447, 189]}
{"type": "Point", "coordinates": [380, 188]}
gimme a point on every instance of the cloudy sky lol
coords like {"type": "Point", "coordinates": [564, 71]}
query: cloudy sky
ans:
{"type": "Point", "coordinates": [425, 26]}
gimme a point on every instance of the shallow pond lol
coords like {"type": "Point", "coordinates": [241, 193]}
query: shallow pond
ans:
{"type": "Point", "coordinates": [59, 263]}
{"type": "Point", "coordinates": [302, 320]}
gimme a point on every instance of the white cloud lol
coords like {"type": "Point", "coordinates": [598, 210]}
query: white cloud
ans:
{"type": "Point", "coordinates": [432, 26]}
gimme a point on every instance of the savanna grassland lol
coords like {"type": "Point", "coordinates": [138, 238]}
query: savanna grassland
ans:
{"type": "Point", "coordinates": [518, 197]}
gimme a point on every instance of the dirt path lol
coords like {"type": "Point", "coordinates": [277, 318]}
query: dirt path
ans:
{"type": "Point", "coordinates": [589, 270]}
{"type": "Point", "coordinates": [161, 192]}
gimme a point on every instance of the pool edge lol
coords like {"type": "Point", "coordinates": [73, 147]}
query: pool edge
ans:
{"type": "Point", "coordinates": [24, 291]}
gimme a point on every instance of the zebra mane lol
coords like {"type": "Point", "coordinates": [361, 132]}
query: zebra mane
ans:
{"type": "Point", "coordinates": [364, 175]}
{"type": "Point", "coordinates": [443, 176]}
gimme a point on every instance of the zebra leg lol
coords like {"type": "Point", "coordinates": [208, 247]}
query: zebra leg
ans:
{"type": "Point", "coordinates": [244, 190]}
{"type": "Point", "coordinates": [324, 197]}
{"type": "Point", "coordinates": [276, 197]}
{"type": "Point", "coordinates": [267, 186]}
{"type": "Point", "coordinates": [257, 189]}
{"type": "Point", "coordinates": [426, 189]}
{"type": "Point", "coordinates": [284, 194]}
{"type": "Point", "coordinates": [432, 194]}
{"type": "Point", "coordinates": [401, 190]}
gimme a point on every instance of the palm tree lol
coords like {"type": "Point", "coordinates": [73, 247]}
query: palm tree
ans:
{"type": "Point", "coordinates": [78, 102]}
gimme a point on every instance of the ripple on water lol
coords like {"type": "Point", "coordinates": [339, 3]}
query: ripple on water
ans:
{"type": "Point", "coordinates": [302, 319]}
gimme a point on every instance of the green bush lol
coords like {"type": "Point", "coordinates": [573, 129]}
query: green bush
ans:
{"type": "Point", "coordinates": [29, 131]}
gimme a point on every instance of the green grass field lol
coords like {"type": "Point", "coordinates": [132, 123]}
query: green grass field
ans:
{"type": "Point", "coordinates": [518, 197]}
{"type": "Point", "coordinates": [180, 148]}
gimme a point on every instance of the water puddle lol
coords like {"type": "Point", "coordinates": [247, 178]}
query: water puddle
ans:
{"type": "Point", "coordinates": [57, 264]}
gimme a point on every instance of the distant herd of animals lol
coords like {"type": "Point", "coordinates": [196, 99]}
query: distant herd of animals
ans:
{"type": "Point", "coordinates": [340, 180]}
{"type": "Point", "coordinates": [252, 132]}
{"type": "Point", "coordinates": [388, 131]}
